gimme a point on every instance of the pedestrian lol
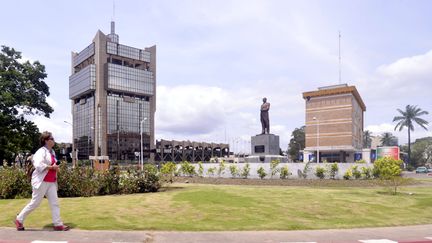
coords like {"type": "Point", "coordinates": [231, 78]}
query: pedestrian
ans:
{"type": "Point", "coordinates": [44, 183]}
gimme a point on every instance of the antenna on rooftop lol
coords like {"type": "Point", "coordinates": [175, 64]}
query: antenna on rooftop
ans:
{"type": "Point", "coordinates": [340, 76]}
{"type": "Point", "coordinates": [113, 16]}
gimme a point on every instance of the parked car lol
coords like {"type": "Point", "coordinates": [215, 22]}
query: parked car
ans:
{"type": "Point", "coordinates": [422, 169]}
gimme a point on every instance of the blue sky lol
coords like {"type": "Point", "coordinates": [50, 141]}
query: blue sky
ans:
{"type": "Point", "coordinates": [217, 59]}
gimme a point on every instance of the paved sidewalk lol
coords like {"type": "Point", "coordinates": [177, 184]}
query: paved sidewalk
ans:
{"type": "Point", "coordinates": [418, 233]}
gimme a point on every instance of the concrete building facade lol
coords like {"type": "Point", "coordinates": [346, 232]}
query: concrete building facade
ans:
{"type": "Point", "coordinates": [334, 124]}
{"type": "Point", "coordinates": [113, 93]}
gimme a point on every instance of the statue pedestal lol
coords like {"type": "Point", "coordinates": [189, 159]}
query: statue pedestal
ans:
{"type": "Point", "coordinates": [265, 144]}
{"type": "Point", "coordinates": [265, 148]}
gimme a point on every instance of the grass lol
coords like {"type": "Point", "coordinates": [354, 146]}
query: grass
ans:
{"type": "Point", "coordinates": [194, 207]}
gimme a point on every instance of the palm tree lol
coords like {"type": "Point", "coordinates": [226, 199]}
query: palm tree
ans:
{"type": "Point", "coordinates": [407, 119]}
{"type": "Point", "coordinates": [367, 140]}
{"type": "Point", "coordinates": [387, 139]}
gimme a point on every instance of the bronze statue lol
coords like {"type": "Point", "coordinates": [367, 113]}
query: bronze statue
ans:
{"type": "Point", "coordinates": [265, 122]}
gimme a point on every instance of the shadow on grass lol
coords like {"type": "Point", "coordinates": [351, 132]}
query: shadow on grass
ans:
{"type": "Point", "coordinates": [171, 188]}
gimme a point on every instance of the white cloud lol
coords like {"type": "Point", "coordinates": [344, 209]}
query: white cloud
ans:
{"type": "Point", "coordinates": [190, 109]}
{"type": "Point", "coordinates": [380, 128]}
{"type": "Point", "coordinates": [402, 135]}
{"type": "Point", "coordinates": [52, 102]}
{"type": "Point", "coordinates": [61, 131]}
{"type": "Point", "coordinates": [214, 114]}
{"type": "Point", "coordinates": [417, 67]}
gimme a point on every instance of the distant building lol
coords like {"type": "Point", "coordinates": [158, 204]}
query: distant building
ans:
{"type": "Point", "coordinates": [334, 124]}
{"type": "Point", "coordinates": [113, 93]}
{"type": "Point", "coordinates": [178, 151]}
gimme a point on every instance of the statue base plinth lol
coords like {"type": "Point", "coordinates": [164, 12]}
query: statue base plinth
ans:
{"type": "Point", "coordinates": [265, 144]}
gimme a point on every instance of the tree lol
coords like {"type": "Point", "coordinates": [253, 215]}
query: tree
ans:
{"type": "Point", "coordinates": [367, 140]}
{"type": "Point", "coordinates": [297, 142]}
{"type": "Point", "coordinates": [421, 151]}
{"type": "Point", "coordinates": [389, 171]}
{"type": "Point", "coordinates": [407, 119]}
{"type": "Point", "coordinates": [387, 139]}
{"type": "Point", "coordinates": [22, 92]}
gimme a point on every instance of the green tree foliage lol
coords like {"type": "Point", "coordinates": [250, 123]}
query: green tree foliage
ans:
{"type": "Point", "coordinates": [367, 140]}
{"type": "Point", "coordinates": [297, 142]}
{"type": "Point", "coordinates": [22, 92]}
{"type": "Point", "coordinates": [386, 168]}
{"type": "Point", "coordinates": [388, 139]}
{"type": "Point", "coordinates": [408, 118]}
{"type": "Point", "coordinates": [389, 170]}
{"type": "Point", "coordinates": [421, 152]}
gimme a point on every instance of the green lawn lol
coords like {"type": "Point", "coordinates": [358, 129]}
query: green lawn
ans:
{"type": "Point", "coordinates": [219, 207]}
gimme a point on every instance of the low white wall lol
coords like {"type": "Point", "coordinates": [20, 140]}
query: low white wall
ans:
{"type": "Point", "coordinates": [292, 167]}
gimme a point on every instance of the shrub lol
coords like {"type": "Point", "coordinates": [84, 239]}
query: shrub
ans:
{"type": "Point", "coordinates": [77, 182]}
{"type": "Point", "coordinates": [360, 161]}
{"type": "Point", "coordinates": [137, 181]}
{"type": "Point", "coordinates": [187, 169]}
{"type": "Point", "coordinates": [386, 168]}
{"type": "Point", "coordinates": [221, 169]}
{"type": "Point", "coordinates": [245, 171]}
{"type": "Point", "coordinates": [355, 172]}
{"type": "Point", "coordinates": [261, 172]}
{"type": "Point", "coordinates": [333, 170]}
{"type": "Point", "coordinates": [200, 169]}
{"type": "Point", "coordinates": [348, 174]}
{"type": "Point", "coordinates": [84, 181]}
{"type": "Point", "coordinates": [108, 181]}
{"type": "Point", "coordinates": [168, 171]}
{"type": "Point", "coordinates": [389, 171]}
{"type": "Point", "coordinates": [234, 170]}
{"type": "Point", "coordinates": [366, 172]}
{"type": "Point", "coordinates": [284, 172]}
{"type": "Point", "coordinates": [14, 183]}
{"type": "Point", "coordinates": [320, 172]}
{"type": "Point", "coordinates": [306, 170]}
{"type": "Point", "coordinates": [273, 167]}
{"type": "Point", "coordinates": [211, 171]}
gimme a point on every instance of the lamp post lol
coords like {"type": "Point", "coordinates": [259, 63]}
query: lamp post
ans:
{"type": "Point", "coordinates": [74, 155]}
{"type": "Point", "coordinates": [316, 119]}
{"type": "Point", "coordinates": [88, 146]}
{"type": "Point", "coordinates": [141, 154]}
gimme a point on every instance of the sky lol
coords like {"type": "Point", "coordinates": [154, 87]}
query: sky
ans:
{"type": "Point", "coordinates": [217, 59]}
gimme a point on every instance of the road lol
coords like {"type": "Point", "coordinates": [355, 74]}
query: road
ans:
{"type": "Point", "coordinates": [405, 234]}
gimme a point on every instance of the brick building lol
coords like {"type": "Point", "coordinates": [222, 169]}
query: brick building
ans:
{"type": "Point", "coordinates": [334, 124]}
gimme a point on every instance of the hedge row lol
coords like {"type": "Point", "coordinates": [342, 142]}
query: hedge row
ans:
{"type": "Point", "coordinates": [83, 182]}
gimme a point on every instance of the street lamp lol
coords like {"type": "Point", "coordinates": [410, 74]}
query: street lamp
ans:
{"type": "Point", "coordinates": [141, 154]}
{"type": "Point", "coordinates": [316, 119]}
{"type": "Point", "coordinates": [88, 145]}
{"type": "Point", "coordinates": [74, 155]}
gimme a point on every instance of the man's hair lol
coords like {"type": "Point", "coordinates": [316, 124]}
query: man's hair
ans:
{"type": "Point", "coordinates": [44, 136]}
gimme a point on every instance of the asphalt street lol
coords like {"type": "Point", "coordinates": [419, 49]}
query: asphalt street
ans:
{"type": "Point", "coordinates": [417, 233]}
